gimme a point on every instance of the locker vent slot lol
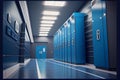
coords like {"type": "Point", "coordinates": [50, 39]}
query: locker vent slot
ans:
{"type": "Point", "coordinates": [88, 38]}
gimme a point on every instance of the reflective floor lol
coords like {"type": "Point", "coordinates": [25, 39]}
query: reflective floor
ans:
{"type": "Point", "coordinates": [52, 69]}
{"type": "Point", "coordinates": [28, 71]}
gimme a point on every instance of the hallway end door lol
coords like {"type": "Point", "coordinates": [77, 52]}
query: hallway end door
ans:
{"type": "Point", "coordinates": [41, 52]}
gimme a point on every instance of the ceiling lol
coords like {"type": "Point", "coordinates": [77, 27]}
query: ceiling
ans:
{"type": "Point", "coordinates": [36, 8]}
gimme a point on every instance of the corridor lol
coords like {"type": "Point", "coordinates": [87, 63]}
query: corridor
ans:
{"type": "Point", "coordinates": [59, 39]}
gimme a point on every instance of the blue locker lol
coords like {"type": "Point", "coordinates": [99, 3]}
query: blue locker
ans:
{"type": "Point", "coordinates": [54, 47]}
{"type": "Point", "coordinates": [59, 45]}
{"type": "Point", "coordinates": [63, 31]}
{"type": "Point", "coordinates": [78, 39]}
{"type": "Point", "coordinates": [58, 39]}
{"type": "Point", "coordinates": [68, 40]}
{"type": "Point", "coordinates": [62, 43]}
{"type": "Point", "coordinates": [72, 38]}
{"type": "Point", "coordinates": [100, 41]}
{"type": "Point", "coordinates": [57, 51]}
{"type": "Point", "coordinates": [66, 48]}
{"type": "Point", "coordinates": [72, 22]}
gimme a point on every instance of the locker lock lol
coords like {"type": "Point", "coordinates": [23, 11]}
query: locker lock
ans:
{"type": "Point", "coordinates": [98, 34]}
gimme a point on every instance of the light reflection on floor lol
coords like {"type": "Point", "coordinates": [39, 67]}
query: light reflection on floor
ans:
{"type": "Point", "coordinates": [52, 69]}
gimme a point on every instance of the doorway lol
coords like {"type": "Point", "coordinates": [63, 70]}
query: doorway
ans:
{"type": "Point", "coordinates": [41, 52]}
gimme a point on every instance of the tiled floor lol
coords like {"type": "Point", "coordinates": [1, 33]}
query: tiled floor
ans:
{"type": "Point", "coordinates": [52, 69]}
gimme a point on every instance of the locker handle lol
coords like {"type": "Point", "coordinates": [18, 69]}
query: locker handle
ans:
{"type": "Point", "coordinates": [98, 34]}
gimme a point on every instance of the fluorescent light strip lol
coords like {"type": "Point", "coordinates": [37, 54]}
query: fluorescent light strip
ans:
{"type": "Point", "coordinates": [49, 17]}
{"type": "Point", "coordinates": [46, 25]}
{"type": "Point", "coordinates": [47, 28]}
{"type": "Point", "coordinates": [55, 13]}
{"type": "Point", "coordinates": [48, 22]}
{"type": "Point", "coordinates": [55, 3]}
{"type": "Point", "coordinates": [43, 32]}
{"type": "Point", "coordinates": [44, 29]}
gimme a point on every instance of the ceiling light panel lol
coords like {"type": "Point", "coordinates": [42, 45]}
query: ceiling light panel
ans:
{"type": "Point", "coordinates": [43, 34]}
{"type": "Point", "coordinates": [48, 22]}
{"type": "Point", "coordinates": [55, 3]}
{"type": "Point", "coordinates": [54, 13]}
{"type": "Point", "coordinates": [41, 30]}
{"type": "Point", "coordinates": [47, 28]}
{"type": "Point", "coordinates": [47, 25]}
{"type": "Point", "coordinates": [49, 18]}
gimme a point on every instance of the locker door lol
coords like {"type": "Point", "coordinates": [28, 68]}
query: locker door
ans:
{"type": "Point", "coordinates": [57, 50]}
{"type": "Point", "coordinates": [99, 35]}
{"type": "Point", "coordinates": [72, 21]}
{"type": "Point", "coordinates": [58, 46]}
{"type": "Point", "coordinates": [63, 43]}
{"type": "Point", "coordinates": [69, 49]}
{"type": "Point", "coordinates": [79, 38]}
{"type": "Point", "coordinates": [54, 47]}
{"type": "Point", "coordinates": [62, 36]}
{"type": "Point", "coordinates": [71, 37]}
{"type": "Point", "coordinates": [66, 50]}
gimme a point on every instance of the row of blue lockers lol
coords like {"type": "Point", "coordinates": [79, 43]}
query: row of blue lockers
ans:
{"type": "Point", "coordinates": [67, 41]}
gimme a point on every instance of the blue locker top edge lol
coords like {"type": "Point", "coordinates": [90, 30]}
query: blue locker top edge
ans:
{"type": "Point", "coordinates": [74, 14]}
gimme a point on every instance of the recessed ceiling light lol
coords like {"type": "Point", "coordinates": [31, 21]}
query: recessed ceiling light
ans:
{"type": "Point", "coordinates": [55, 3]}
{"type": "Point", "coordinates": [49, 25]}
{"type": "Point", "coordinates": [44, 30]}
{"type": "Point", "coordinates": [43, 34]}
{"type": "Point", "coordinates": [47, 28]}
{"type": "Point", "coordinates": [49, 22]}
{"type": "Point", "coordinates": [51, 13]}
{"type": "Point", "coordinates": [49, 17]}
